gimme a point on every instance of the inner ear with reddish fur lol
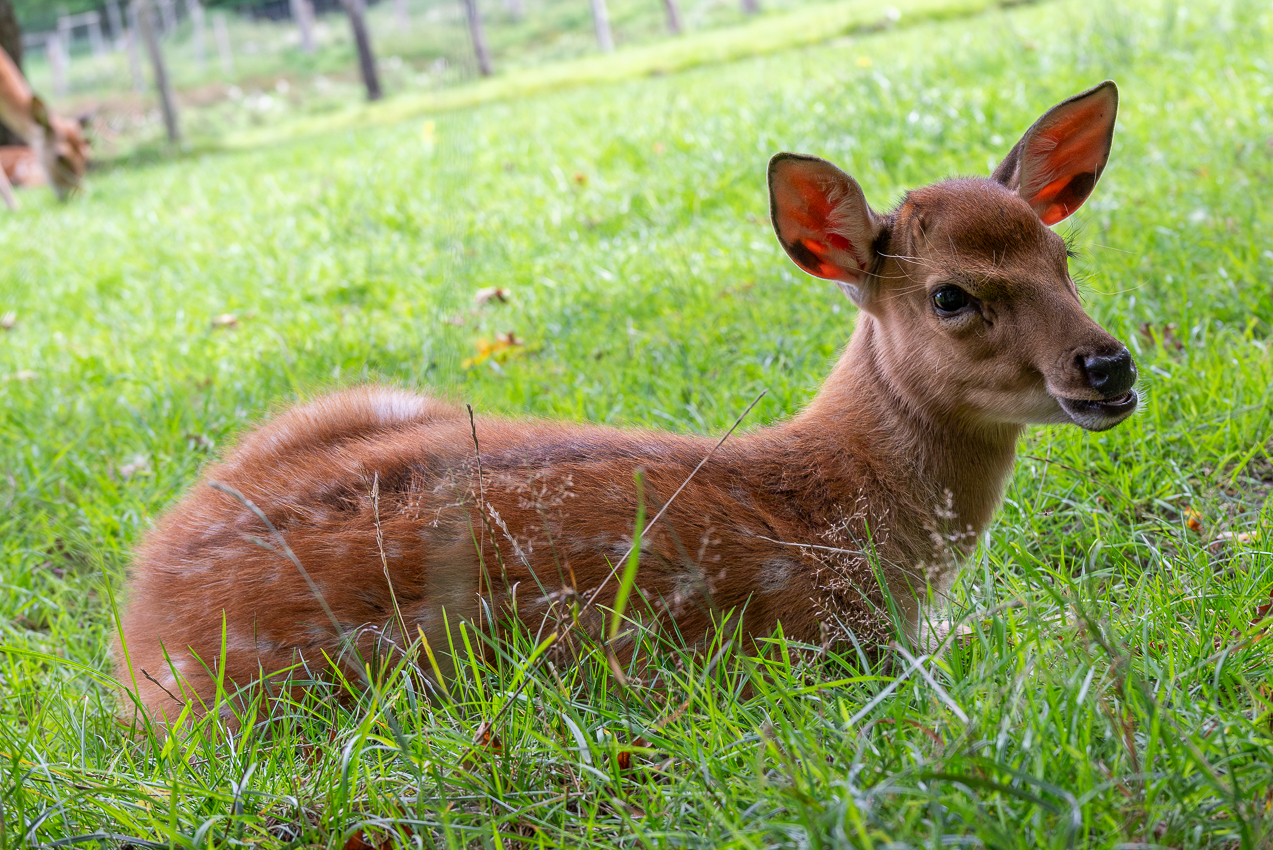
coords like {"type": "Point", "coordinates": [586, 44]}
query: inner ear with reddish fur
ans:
{"type": "Point", "coordinates": [822, 219]}
{"type": "Point", "coordinates": [1056, 164]}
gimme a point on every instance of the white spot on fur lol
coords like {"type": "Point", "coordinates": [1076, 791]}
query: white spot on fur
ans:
{"type": "Point", "coordinates": [239, 643]}
{"type": "Point", "coordinates": [776, 574]}
{"type": "Point", "coordinates": [396, 407]}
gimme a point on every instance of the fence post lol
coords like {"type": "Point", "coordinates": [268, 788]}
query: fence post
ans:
{"type": "Point", "coordinates": [194, 9]}
{"type": "Point", "coordinates": [95, 38]}
{"type": "Point", "coordinates": [222, 35]}
{"type": "Point", "coordinates": [116, 21]}
{"type": "Point", "coordinates": [673, 16]}
{"type": "Point", "coordinates": [366, 60]}
{"type": "Point", "coordinates": [53, 48]}
{"type": "Point", "coordinates": [304, 23]}
{"type": "Point", "coordinates": [480, 49]}
{"type": "Point", "coordinates": [166, 100]}
{"type": "Point", "coordinates": [134, 50]}
{"type": "Point", "coordinates": [168, 15]}
{"type": "Point", "coordinates": [65, 26]}
{"type": "Point", "coordinates": [601, 21]}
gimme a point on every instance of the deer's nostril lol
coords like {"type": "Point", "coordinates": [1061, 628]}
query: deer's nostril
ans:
{"type": "Point", "coordinates": [1110, 374]}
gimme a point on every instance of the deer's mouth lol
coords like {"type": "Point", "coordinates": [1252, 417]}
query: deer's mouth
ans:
{"type": "Point", "coordinates": [1100, 414]}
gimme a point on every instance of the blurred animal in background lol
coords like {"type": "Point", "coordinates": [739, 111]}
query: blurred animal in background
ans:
{"type": "Point", "coordinates": [58, 149]}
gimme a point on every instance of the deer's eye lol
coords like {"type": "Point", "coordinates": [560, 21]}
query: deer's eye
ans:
{"type": "Point", "coordinates": [950, 299]}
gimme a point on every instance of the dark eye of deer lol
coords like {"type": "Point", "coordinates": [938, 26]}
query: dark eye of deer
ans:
{"type": "Point", "coordinates": [950, 299]}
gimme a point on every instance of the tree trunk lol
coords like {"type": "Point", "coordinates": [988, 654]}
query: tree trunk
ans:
{"type": "Point", "coordinates": [601, 21]}
{"type": "Point", "coordinates": [366, 60]}
{"type": "Point", "coordinates": [673, 16]}
{"type": "Point", "coordinates": [11, 41]}
{"type": "Point", "coordinates": [480, 49]}
{"type": "Point", "coordinates": [304, 23]}
{"type": "Point", "coordinates": [751, 7]}
{"type": "Point", "coordinates": [146, 23]}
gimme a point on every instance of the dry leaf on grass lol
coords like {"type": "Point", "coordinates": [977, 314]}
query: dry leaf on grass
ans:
{"type": "Point", "coordinates": [1193, 519]}
{"type": "Point", "coordinates": [1217, 543]}
{"type": "Point", "coordinates": [138, 463]}
{"type": "Point", "coordinates": [1168, 336]}
{"type": "Point", "coordinates": [488, 294]}
{"type": "Point", "coordinates": [498, 350]}
{"type": "Point", "coordinates": [485, 740]}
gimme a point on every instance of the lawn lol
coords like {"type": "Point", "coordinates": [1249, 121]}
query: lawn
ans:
{"type": "Point", "coordinates": [1115, 690]}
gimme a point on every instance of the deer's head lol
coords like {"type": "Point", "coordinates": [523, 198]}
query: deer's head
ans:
{"type": "Point", "coordinates": [968, 289]}
{"type": "Point", "coordinates": [63, 148]}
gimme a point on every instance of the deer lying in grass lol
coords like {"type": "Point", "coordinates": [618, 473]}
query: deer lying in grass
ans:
{"type": "Point", "coordinates": [391, 514]}
{"type": "Point", "coordinates": [57, 144]}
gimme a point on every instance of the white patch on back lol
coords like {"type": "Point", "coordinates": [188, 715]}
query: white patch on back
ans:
{"type": "Point", "coordinates": [393, 408]}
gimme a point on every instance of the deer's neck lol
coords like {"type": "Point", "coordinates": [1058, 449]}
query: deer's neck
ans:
{"type": "Point", "coordinates": [879, 435]}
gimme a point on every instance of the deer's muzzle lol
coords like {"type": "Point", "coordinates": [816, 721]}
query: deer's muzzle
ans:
{"type": "Point", "coordinates": [1110, 375]}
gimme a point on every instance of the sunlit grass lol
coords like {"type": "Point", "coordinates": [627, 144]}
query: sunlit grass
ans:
{"type": "Point", "coordinates": [1114, 689]}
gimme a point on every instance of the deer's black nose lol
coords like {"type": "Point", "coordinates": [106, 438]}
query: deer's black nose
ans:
{"type": "Point", "coordinates": [1111, 375]}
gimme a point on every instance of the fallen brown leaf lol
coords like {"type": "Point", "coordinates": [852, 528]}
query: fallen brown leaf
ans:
{"type": "Point", "coordinates": [499, 349]}
{"type": "Point", "coordinates": [485, 739]}
{"type": "Point", "coordinates": [1193, 520]}
{"type": "Point", "coordinates": [490, 293]}
{"type": "Point", "coordinates": [1217, 543]}
{"type": "Point", "coordinates": [359, 841]}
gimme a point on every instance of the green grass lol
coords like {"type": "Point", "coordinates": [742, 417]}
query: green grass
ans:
{"type": "Point", "coordinates": [1114, 692]}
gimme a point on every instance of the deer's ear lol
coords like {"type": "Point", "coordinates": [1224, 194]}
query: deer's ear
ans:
{"type": "Point", "coordinates": [39, 112]}
{"type": "Point", "coordinates": [1058, 161]}
{"type": "Point", "coordinates": [823, 222]}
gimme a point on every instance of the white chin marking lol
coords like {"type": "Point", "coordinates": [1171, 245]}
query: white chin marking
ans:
{"type": "Point", "coordinates": [1100, 415]}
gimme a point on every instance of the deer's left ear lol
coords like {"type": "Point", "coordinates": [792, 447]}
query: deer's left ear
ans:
{"type": "Point", "coordinates": [1058, 161]}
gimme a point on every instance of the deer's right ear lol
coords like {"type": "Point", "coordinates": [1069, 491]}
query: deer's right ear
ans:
{"type": "Point", "coordinates": [823, 221]}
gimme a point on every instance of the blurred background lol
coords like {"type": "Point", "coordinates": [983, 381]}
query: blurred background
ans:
{"type": "Point", "coordinates": [237, 64]}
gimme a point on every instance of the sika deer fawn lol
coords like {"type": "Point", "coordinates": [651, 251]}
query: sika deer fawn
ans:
{"type": "Point", "coordinates": [58, 144]}
{"type": "Point", "coordinates": [390, 512]}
